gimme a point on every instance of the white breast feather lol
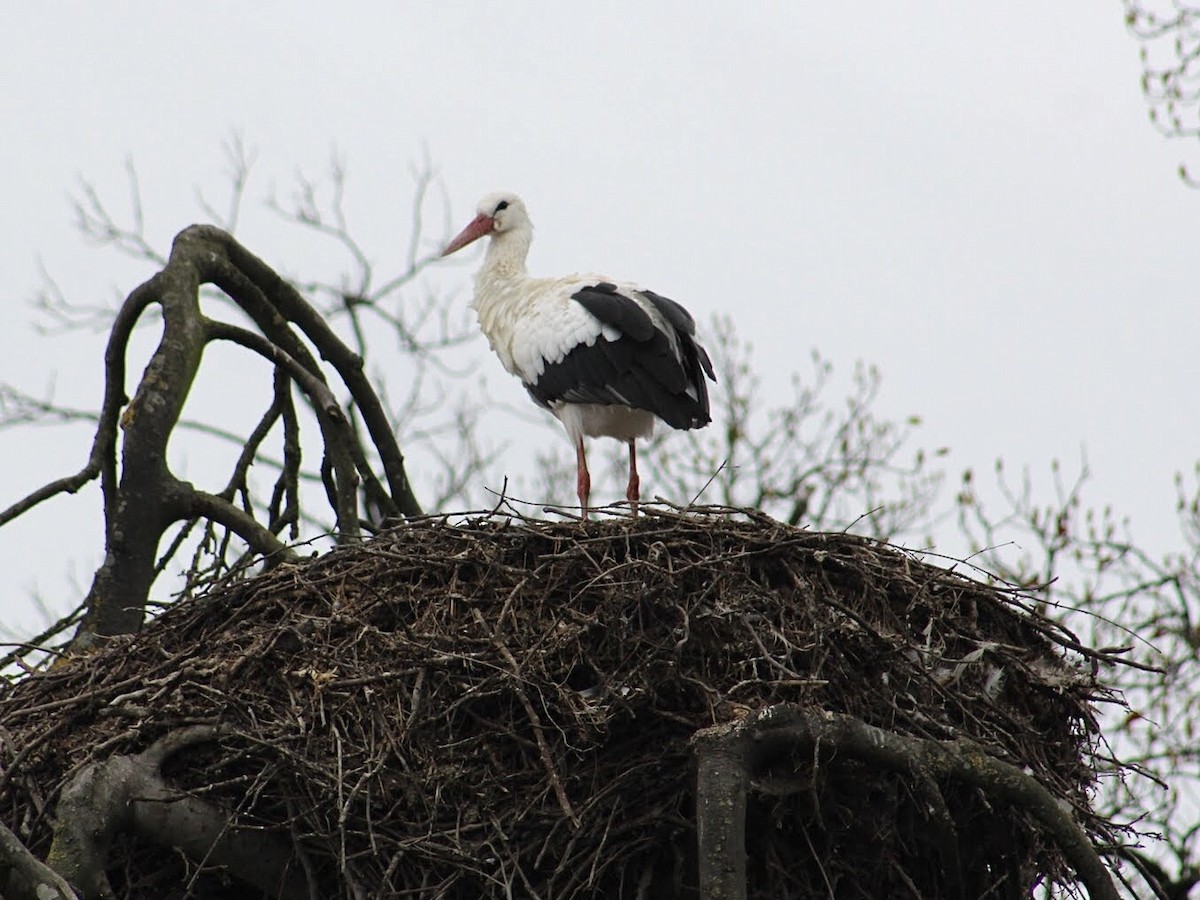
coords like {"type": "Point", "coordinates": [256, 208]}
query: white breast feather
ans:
{"type": "Point", "coordinates": [532, 323]}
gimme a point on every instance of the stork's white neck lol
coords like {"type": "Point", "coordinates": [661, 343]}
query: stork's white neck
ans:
{"type": "Point", "coordinates": [506, 254]}
{"type": "Point", "coordinates": [499, 293]}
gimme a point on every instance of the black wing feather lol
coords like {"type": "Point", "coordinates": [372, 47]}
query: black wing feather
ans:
{"type": "Point", "coordinates": [645, 368]}
{"type": "Point", "coordinates": [685, 326]}
{"type": "Point", "coordinates": [613, 308]}
{"type": "Point", "coordinates": [673, 312]}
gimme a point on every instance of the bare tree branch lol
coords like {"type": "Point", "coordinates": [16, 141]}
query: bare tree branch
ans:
{"type": "Point", "coordinates": [102, 459]}
{"type": "Point", "coordinates": [128, 793]}
{"type": "Point", "coordinates": [95, 222]}
{"type": "Point", "coordinates": [148, 498]}
{"type": "Point", "coordinates": [239, 160]}
{"type": "Point", "coordinates": [729, 755]}
{"type": "Point", "coordinates": [32, 876]}
{"type": "Point", "coordinates": [1169, 34]}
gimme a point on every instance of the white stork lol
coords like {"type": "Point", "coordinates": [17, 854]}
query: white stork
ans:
{"type": "Point", "coordinates": [606, 357]}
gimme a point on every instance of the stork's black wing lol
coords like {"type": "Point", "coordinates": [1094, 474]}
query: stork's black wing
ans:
{"type": "Point", "coordinates": [655, 364]}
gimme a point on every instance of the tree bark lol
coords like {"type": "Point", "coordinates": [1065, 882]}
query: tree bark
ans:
{"type": "Point", "coordinates": [148, 497]}
{"type": "Point", "coordinates": [722, 786]}
{"type": "Point", "coordinates": [29, 875]}
{"type": "Point", "coordinates": [127, 793]}
{"type": "Point", "coordinates": [728, 755]}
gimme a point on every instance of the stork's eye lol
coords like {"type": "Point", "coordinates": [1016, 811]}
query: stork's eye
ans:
{"type": "Point", "coordinates": [503, 204]}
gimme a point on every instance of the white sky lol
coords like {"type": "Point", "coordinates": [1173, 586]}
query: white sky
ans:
{"type": "Point", "coordinates": [967, 195]}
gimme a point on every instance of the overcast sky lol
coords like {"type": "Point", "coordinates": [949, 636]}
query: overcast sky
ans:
{"type": "Point", "coordinates": [967, 195]}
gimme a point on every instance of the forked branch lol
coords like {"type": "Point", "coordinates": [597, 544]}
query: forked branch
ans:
{"type": "Point", "coordinates": [129, 794]}
{"type": "Point", "coordinates": [143, 498]}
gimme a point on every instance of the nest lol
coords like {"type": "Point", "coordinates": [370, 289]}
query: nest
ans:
{"type": "Point", "coordinates": [499, 708]}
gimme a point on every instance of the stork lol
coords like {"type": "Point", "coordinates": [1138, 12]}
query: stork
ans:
{"type": "Point", "coordinates": [607, 358]}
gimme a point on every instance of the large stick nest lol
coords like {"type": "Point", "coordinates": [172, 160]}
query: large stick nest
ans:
{"type": "Point", "coordinates": [501, 708]}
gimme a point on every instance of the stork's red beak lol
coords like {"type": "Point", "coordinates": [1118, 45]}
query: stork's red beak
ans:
{"type": "Point", "coordinates": [479, 226]}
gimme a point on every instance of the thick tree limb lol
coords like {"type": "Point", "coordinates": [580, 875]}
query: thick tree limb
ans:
{"type": "Point", "coordinates": [31, 874]}
{"type": "Point", "coordinates": [722, 785]}
{"type": "Point", "coordinates": [143, 498]}
{"type": "Point", "coordinates": [728, 755]}
{"type": "Point", "coordinates": [127, 793]}
{"type": "Point", "coordinates": [260, 538]}
{"type": "Point", "coordinates": [139, 515]}
{"type": "Point", "coordinates": [148, 498]}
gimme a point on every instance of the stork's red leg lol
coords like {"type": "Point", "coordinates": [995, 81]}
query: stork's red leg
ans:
{"type": "Point", "coordinates": [583, 481]}
{"type": "Point", "coordinates": [632, 493]}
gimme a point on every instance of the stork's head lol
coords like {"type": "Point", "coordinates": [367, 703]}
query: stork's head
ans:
{"type": "Point", "coordinates": [497, 213]}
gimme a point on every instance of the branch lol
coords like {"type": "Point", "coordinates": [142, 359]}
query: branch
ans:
{"type": "Point", "coordinates": [39, 880]}
{"type": "Point", "coordinates": [127, 793]}
{"type": "Point", "coordinates": [722, 785]}
{"type": "Point", "coordinates": [265, 296]}
{"type": "Point", "coordinates": [790, 730]}
{"type": "Point", "coordinates": [261, 539]}
{"type": "Point", "coordinates": [69, 485]}
{"type": "Point", "coordinates": [238, 479]}
{"type": "Point", "coordinates": [238, 162]}
{"type": "Point", "coordinates": [340, 442]}
{"type": "Point", "coordinates": [94, 221]}
{"type": "Point", "coordinates": [134, 526]}
{"type": "Point", "coordinates": [151, 497]}
{"type": "Point", "coordinates": [323, 401]}
{"type": "Point", "coordinates": [102, 458]}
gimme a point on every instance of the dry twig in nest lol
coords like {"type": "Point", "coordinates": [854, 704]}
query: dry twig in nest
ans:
{"type": "Point", "coordinates": [508, 708]}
